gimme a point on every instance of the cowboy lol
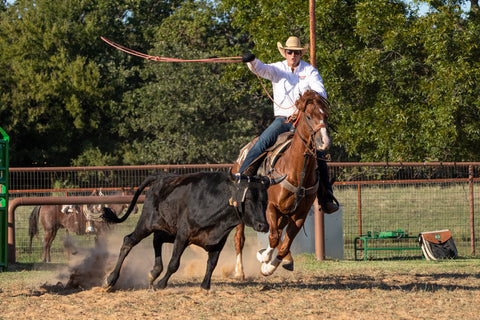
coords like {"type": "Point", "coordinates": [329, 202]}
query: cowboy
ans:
{"type": "Point", "coordinates": [290, 79]}
{"type": "Point", "coordinates": [67, 208]}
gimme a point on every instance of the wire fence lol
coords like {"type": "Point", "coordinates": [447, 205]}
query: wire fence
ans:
{"type": "Point", "coordinates": [375, 197]}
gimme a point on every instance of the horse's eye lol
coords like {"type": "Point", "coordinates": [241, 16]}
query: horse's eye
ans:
{"type": "Point", "coordinates": [309, 118]}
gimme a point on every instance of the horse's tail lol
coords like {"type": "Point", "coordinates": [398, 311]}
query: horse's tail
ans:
{"type": "Point", "coordinates": [110, 216]}
{"type": "Point", "coordinates": [33, 224]}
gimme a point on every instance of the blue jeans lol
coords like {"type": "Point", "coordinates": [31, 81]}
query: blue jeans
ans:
{"type": "Point", "coordinates": [266, 140]}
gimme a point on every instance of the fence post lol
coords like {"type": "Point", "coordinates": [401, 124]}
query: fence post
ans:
{"type": "Point", "coordinates": [4, 141]}
{"type": "Point", "coordinates": [359, 204]}
{"type": "Point", "coordinates": [472, 210]}
{"type": "Point", "coordinates": [319, 232]}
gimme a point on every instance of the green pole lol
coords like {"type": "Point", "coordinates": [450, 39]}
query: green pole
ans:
{"type": "Point", "coordinates": [4, 143]}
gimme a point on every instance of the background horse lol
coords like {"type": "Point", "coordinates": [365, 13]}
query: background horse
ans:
{"type": "Point", "coordinates": [290, 201]}
{"type": "Point", "coordinates": [79, 220]}
{"type": "Point", "coordinates": [52, 219]}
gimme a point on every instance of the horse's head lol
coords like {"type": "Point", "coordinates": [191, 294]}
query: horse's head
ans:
{"type": "Point", "coordinates": [314, 111]}
{"type": "Point", "coordinates": [93, 212]}
{"type": "Point", "coordinates": [96, 208]}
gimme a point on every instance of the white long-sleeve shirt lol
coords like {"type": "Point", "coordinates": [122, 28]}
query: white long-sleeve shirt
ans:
{"type": "Point", "coordinates": [288, 85]}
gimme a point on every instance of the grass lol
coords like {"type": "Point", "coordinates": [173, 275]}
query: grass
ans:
{"type": "Point", "coordinates": [308, 262]}
{"type": "Point", "coordinates": [28, 272]}
{"type": "Point", "coordinates": [412, 208]}
{"type": "Point", "coordinates": [406, 289]}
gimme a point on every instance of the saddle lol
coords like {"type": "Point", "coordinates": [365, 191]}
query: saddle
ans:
{"type": "Point", "coordinates": [264, 164]}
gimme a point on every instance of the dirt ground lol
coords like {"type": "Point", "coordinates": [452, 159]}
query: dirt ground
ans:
{"type": "Point", "coordinates": [337, 290]}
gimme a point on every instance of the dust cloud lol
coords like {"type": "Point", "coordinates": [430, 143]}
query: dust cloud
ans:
{"type": "Point", "coordinates": [90, 267]}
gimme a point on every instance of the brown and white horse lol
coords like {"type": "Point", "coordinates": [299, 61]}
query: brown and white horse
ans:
{"type": "Point", "coordinates": [79, 220]}
{"type": "Point", "coordinates": [290, 201]}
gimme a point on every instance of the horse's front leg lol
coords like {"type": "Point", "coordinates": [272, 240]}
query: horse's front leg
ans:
{"type": "Point", "coordinates": [265, 255]}
{"type": "Point", "coordinates": [283, 249]}
{"type": "Point", "coordinates": [239, 240]}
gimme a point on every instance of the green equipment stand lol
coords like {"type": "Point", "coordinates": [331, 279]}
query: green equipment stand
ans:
{"type": "Point", "coordinates": [3, 200]}
{"type": "Point", "coordinates": [361, 243]}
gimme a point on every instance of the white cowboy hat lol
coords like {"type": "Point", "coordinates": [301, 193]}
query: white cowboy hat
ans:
{"type": "Point", "coordinates": [293, 43]}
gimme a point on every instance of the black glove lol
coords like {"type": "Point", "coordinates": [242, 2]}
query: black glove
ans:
{"type": "Point", "coordinates": [248, 57]}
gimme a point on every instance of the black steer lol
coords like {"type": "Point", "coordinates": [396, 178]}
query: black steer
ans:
{"type": "Point", "coordinates": [200, 208]}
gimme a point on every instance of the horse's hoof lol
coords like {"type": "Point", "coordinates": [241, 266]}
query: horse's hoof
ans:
{"type": "Point", "coordinates": [264, 255]}
{"type": "Point", "coordinates": [288, 265]}
{"type": "Point", "coordinates": [239, 276]}
{"type": "Point", "coordinates": [268, 269]}
{"type": "Point", "coordinates": [260, 256]}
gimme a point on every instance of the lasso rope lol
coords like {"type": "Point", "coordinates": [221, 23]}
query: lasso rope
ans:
{"type": "Point", "coordinates": [266, 91]}
{"type": "Point", "coordinates": [209, 60]}
{"type": "Point", "coordinates": [165, 59]}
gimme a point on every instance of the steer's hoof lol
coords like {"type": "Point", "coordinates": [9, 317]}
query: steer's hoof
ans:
{"type": "Point", "coordinates": [109, 282]}
{"type": "Point", "coordinates": [107, 287]}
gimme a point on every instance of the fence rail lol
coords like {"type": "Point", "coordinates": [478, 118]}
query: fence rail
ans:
{"type": "Point", "coordinates": [414, 197]}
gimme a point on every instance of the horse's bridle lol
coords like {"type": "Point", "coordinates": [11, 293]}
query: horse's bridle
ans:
{"type": "Point", "coordinates": [311, 147]}
{"type": "Point", "coordinates": [310, 152]}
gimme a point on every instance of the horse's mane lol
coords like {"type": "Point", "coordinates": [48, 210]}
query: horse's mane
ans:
{"type": "Point", "coordinates": [312, 96]}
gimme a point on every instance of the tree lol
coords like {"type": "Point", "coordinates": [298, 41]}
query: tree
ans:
{"type": "Point", "coordinates": [388, 73]}
{"type": "Point", "coordinates": [187, 112]}
{"type": "Point", "coordinates": [59, 80]}
{"type": "Point", "coordinates": [51, 92]}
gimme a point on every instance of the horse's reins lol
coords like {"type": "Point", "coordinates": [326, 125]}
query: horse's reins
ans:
{"type": "Point", "coordinates": [310, 152]}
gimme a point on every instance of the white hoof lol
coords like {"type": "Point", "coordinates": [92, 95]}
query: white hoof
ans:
{"type": "Point", "coordinates": [239, 269]}
{"type": "Point", "coordinates": [268, 269]}
{"type": "Point", "coordinates": [265, 255]}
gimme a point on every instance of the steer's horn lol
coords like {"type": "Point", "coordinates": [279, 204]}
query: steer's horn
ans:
{"type": "Point", "coordinates": [273, 181]}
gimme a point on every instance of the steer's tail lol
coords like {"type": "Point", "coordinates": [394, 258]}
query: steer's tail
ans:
{"type": "Point", "coordinates": [110, 216]}
{"type": "Point", "coordinates": [33, 225]}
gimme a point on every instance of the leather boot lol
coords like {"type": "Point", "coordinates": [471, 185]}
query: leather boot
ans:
{"type": "Point", "coordinates": [325, 196]}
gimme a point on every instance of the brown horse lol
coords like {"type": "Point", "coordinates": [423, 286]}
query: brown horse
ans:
{"type": "Point", "coordinates": [80, 220]}
{"type": "Point", "coordinates": [52, 219]}
{"type": "Point", "coordinates": [290, 201]}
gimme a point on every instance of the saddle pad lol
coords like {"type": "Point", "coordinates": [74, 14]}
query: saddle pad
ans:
{"type": "Point", "coordinates": [438, 245]}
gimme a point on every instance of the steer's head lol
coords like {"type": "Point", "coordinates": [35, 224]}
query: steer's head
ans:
{"type": "Point", "coordinates": [251, 198]}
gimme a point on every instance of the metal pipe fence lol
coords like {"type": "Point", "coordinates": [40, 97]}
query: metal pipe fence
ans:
{"type": "Point", "coordinates": [414, 197]}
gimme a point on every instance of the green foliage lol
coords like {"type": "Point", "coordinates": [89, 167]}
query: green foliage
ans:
{"type": "Point", "coordinates": [186, 112]}
{"type": "Point", "coordinates": [402, 86]}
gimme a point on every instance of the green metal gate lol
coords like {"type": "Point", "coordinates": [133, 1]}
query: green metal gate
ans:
{"type": "Point", "coordinates": [3, 199]}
